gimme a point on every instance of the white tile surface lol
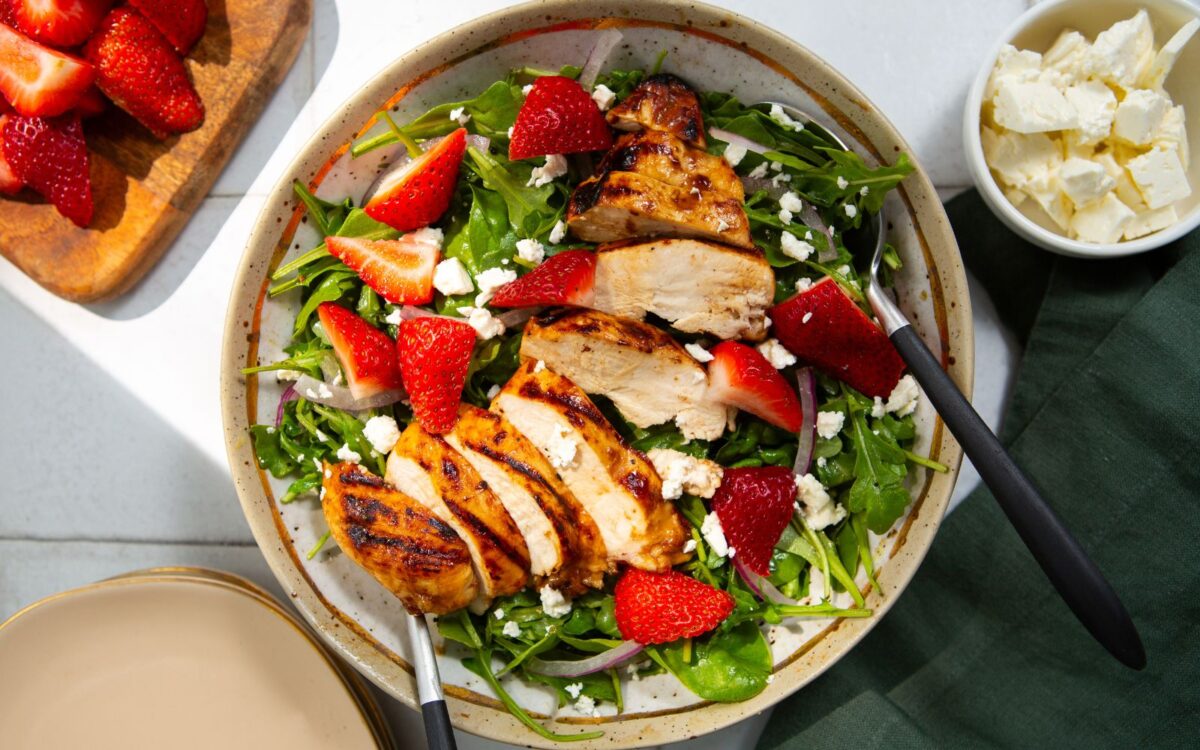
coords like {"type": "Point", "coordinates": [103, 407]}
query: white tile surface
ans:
{"type": "Point", "coordinates": [112, 443]}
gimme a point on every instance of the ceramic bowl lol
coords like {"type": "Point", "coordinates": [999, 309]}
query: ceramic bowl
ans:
{"type": "Point", "coordinates": [1036, 30]}
{"type": "Point", "coordinates": [715, 50]}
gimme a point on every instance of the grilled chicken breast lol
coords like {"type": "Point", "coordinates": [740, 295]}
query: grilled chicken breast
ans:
{"type": "Point", "coordinates": [425, 467]}
{"type": "Point", "coordinates": [398, 541]}
{"type": "Point", "coordinates": [699, 287]}
{"type": "Point", "coordinates": [615, 206]}
{"type": "Point", "coordinates": [566, 551]}
{"type": "Point", "coordinates": [648, 375]}
{"type": "Point", "coordinates": [664, 103]}
{"type": "Point", "coordinates": [615, 484]}
{"type": "Point", "coordinates": [667, 159]}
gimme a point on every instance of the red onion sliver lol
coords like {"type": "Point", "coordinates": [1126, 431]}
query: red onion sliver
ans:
{"type": "Point", "coordinates": [734, 139]}
{"type": "Point", "coordinates": [806, 388]}
{"type": "Point", "coordinates": [517, 317]}
{"type": "Point", "coordinates": [289, 394]}
{"type": "Point", "coordinates": [760, 585]}
{"type": "Point", "coordinates": [339, 396]}
{"type": "Point", "coordinates": [811, 218]}
{"type": "Point", "coordinates": [578, 668]}
{"type": "Point", "coordinates": [605, 43]}
{"type": "Point", "coordinates": [753, 184]}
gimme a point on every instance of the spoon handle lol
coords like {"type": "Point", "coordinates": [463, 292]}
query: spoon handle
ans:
{"type": "Point", "coordinates": [439, 733]}
{"type": "Point", "coordinates": [1078, 581]}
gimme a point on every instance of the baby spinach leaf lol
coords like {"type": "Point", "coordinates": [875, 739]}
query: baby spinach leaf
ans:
{"type": "Point", "coordinates": [726, 666]}
{"type": "Point", "coordinates": [526, 204]}
{"type": "Point", "coordinates": [271, 455]}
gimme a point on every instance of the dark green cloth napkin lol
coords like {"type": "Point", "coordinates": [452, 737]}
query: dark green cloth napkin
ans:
{"type": "Point", "coordinates": [980, 651]}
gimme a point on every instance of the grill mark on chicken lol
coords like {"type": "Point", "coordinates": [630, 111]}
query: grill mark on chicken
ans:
{"type": "Point", "coordinates": [559, 518]}
{"type": "Point", "coordinates": [482, 530]}
{"type": "Point", "coordinates": [661, 102]}
{"type": "Point", "coordinates": [357, 476]}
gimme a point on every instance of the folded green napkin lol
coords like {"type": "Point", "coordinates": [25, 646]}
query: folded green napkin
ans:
{"type": "Point", "coordinates": [980, 651]}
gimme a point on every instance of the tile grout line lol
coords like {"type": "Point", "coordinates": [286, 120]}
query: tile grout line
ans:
{"type": "Point", "coordinates": [129, 541]}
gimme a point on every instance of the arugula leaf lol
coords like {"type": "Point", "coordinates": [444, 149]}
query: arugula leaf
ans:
{"type": "Point", "coordinates": [621, 82]}
{"type": "Point", "coordinates": [327, 216]}
{"type": "Point", "coordinates": [492, 113]}
{"type": "Point", "coordinates": [879, 468]}
{"type": "Point", "coordinates": [481, 665]}
{"type": "Point", "coordinates": [725, 666]}
{"type": "Point", "coordinates": [458, 627]}
{"type": "Point", "coordinates": [598, 685]}
{"type": "Point", "coordinates": [529, 209]}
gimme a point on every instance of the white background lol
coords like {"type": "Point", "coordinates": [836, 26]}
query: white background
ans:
{"type": "Point", "coordinates": [111, 450]}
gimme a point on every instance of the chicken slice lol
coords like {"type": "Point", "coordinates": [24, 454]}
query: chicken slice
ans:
{"type": "Point", "coordinates": [665, 103]}
{"type": "Point", "coordinates": [424, 466]}
{"type": "Point", "coordinates": [565, 548]}
{"type": "Point", "coordinates": [699, 287]}
{"type": "Point", "coordinates": [623, 205]}
{"type": "Point", "coordinates": [668, 159]}
{"type": "Point", "coordinates": [615, 484]}
{"type": "Point", "coordinates": [648, 376]}
{"type": "Point", "coordinates": [398, 541]}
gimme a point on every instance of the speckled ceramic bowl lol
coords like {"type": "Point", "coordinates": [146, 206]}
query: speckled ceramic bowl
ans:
{"type": "Point", "coordinates": [714, 50]}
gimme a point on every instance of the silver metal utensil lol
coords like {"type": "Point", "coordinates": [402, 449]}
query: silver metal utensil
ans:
{"type": "Point", "coordinates": [439, 734]}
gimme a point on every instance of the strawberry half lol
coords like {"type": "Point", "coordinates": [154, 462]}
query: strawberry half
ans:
{"type": "Point", "coordinates": [10, 183]}
{"type": "Point", "coordinates": [51, 157]}
{"type": "Point", "coordinates": [434, 354]}
{"type": "Point", "coordinates": [59, 23]}
{"type": "Point", "coordinates": [564, 279]}
{"type": "Point", "coordinates": [558, 117]}
{"type": "Point", "coordinates": [740, 376]}
{"type": "Point", "coordinates": [367, 355]}
{"type": "Point", "coordinates": [38, 81]}
{"type": "Point", "coordinates": [138, 69]}
{"type": "Point", "coordinates": [92, 103]}
{"type": "Point", "coordinates": [182, 22]}
{"type": "Point", "coordinates": [417, 194]}
{"type": "Point", "coordinates": [754, 505]}
{"type": "Point", "coordinates": [663, 607]}
{"type": "Point", "coordinates": [823, 327]}
{"type": "Point", "coordinates": [400, 270]}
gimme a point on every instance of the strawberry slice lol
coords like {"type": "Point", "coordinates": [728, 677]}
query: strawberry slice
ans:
{"type": "Point", "coordinates": [740, 376]}
{"type": "Point", "coordinates": [367, 355]}
{"type": "Point", "coordinates": [564, 279]}
{"type": "Point", "coordinates": [434, 354]}
{"type": "Point", "coordinates": [663, 607]}
{"type": "Point", "coordinates": [92, 102]}
{"type": "Point", "coordinates": [754, 505]}
{"type": "Point", "coordinates": [38, 81]}
{"type": "Point", "coordinates": [10, 184]}
{"type": "Point", "coordinates": [417, 194]}
{"type": "Point", "coordinates": [400, 270]}
{"type": "Point", "coordinates": [50, 156]}
{"type": "Point", "coordinates": [823, 327]}
{"type": "Point", "coordinates": [59, 23]}
{"type": "Point", "coordinates": [182, 22]}
{"type": "Point", "coordinates": [558, 117]}
{"type": "Point", "coordinates": [138, 69]}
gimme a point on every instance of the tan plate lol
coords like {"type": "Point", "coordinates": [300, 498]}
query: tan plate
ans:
{"type": "Point", "coordinates": [714, 50]}
{"type": "Point", "coordinates": [185, 658]}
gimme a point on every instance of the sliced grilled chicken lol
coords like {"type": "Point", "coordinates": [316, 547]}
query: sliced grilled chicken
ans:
{"type": "Point", "coordinates": [424, 466]}
{"type": "Point", "coordinates": [668, 159]}
{"type": "Point", "coordinates": [623, 205]}
{"type": "Point", "coordinates": [650, 378]}
{"type": "Point", "coordinates": [565, 548]}
{"type": "Point", "coordinates": [665, 103]}
{"type": "Point", "coordinates": [398, 541]}
{"type": "Point", "coordinates": [699, 287]}
{"type": "Point", "coordinates": [615, 484]}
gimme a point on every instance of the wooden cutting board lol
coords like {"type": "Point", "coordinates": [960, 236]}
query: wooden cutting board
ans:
{"type": "Point", "coordinates": [145, 189]}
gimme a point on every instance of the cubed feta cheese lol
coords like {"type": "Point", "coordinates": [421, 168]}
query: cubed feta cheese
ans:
{"type": "Point", "coordinates": [1139, 115]}
{"type": "Point", "coordinates": [1032, 107]}
{"type": "Point", "coordinates": [1017, 158]}
{"type": "Point", "coordinates": [554, 603]}
{"type": "Point", "coordinates": [555, 166]}
{"type": "Point", "coordinates": [382, 432]}
{"type": "Point", "coordinates": [829, 423]}
{"type": "Point", "coordinates": [531, 251]}
{"type": "Point", "coordinates": [1150, 221]}
{"type": "Point", "coordinates": [1085, 181]}
{"type": "Point", "coordinates": [712, 532]}
{"type": "Point", "coordinates": [1159, 177]}
{"type": "Point", "coordinates": [1095, 104]}
{"type": "Point", "coordinates": [1172, 133]}
{"type": "Point", "coordinates": [734, 154]}
{"type": "Point", "coordinates": [489, 280]}
{"type": "Point", "coordinates": [1015, 64]}
{"type": "Point", "coordinates": [450, 277]}
{"type": "Point", "coordinates": [1120, 54]}
{"type": "Point", "coordinates": [604, 97]}
{"type": "Point", "coordinates": [794, 247]}
{"type": "Point", "coordinates": [1067, 55]}
{"type": "Point", "coordinates": [1103, 221]}
{"type": "Point", "coordinates": [1047, 192]}
{"type": "Point", "coordinates": [776, 354]}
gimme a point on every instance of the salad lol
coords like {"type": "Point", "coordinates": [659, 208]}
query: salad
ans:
{"type": "Point", "coordinates": [590, 376]}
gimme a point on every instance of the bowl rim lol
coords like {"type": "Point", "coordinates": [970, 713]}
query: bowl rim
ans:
{"type": "Point", "coordinates": [942, 263]}
{"type": "Point", "coordinates": [994, 197]}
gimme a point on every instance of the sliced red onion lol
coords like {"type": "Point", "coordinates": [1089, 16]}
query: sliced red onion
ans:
{"type": "Point", "coordinates": [411, 312]}
{"type": "Point", "coordinates": [811, 218]}
{"type": "Point", "coordinates": [517, 317]}
{"type": "Point", "coordinates": [340, 397]}
{"type": "Point", "coordinates": [606, 42]}
{"type": "Point", "coordinates": [763, 588]}
{"type": "Point", "coordinates": [734, 139]}
{"type": "Point", "coordinates": [753, 184]}
{"type": "Point", "coordinates": [578, 668]}
{"type": "Point", "coordinates": [806, 388]}
{"type": "Point", "coordinates": [289, 394]}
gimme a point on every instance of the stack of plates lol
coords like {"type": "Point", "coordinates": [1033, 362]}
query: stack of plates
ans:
{"type": "Point", "coordinates": [181, 658]}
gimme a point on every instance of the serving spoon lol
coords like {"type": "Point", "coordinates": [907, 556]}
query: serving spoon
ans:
{"type": "Point", "coordinates": [1076, 577]}
{"type": "Point", "coordinates": [439, 733]}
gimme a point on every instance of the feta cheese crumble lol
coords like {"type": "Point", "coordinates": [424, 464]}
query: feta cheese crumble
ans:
{"type": "Point", "coordinates": [778, 115]}
{"type": "Point", "coordinates": [486, 325]}
{"type": "Point", "coordinates": [488, 281]}
{"type": "Point", "coordinates": [493, 392]}
{"type": "Point", "coordinates": [460, 115]}
{"type": "Point", "coordinates": [712, 532]}
{"type": "Point", "coordinates": [450, 277]}
{"type": "Point", "coordinates": [791, 202]}
{"type": "Point", "coordinates": [785, 216]}
{"type": "Point", "coordinates": [722, 225]}
{"type": "Point", "coordinates": [283, 376]}
{"type": "Point", "coordinates": [321, 392]}
{"type": "Point", "coordinates": [558, 233]}
{"type": "Point", "coordinates": [776, 354]}
{"type": "Point", "coordinates": [851, 210]}
{"type": "Point", "coordinates": [803, 284]}
{"type": "Point", "coordinates": [393, 318]}
{"type": "Point", "coordinates": [499, 613]}
{"type": "Point", "coordinates": [531, 251]}
{"type": "Point", "coordinates": [561, 448]}
{"type": "Point", "coordinates": [586, 705]}
{"type": "Point", "coordinates": [555, 166]}
{"type": "Point", "coordinates": [689, 546]}
{"type": "Point", "coordinates": [817, 507]}
{"type": "Point", "coordinates": [554, 603]}
{"type": "Point", "coordinates": [829, 423]}
{"type": "Point", "coordinates": [574, 689]}
{"type": "Point", "coordinates": [604, 97]}
{"type": "Point", "coordinates": [794, 247]}
{"type": "Point", "coordinates": [382, 432]}
{"type": "Point", "coordinates": [511, 629]}
{"type": "Point", "coordinates": [842, 183]}
{"type": "Point", "coordinates": [903, 399]}
{"type": "Point", "coordinates": [734, 154]}
{"type": "Point", "coordinates": [346, 454]}
{"type": "Point", "coordinates": [759, 172]}
{"type": "Point", "coordinates": [699, 353]}
{"type": "Point", "coordinates": [682, 473]}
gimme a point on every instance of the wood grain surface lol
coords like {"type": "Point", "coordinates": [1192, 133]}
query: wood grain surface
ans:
{"type": "Point", "coordinates": [145, 189]}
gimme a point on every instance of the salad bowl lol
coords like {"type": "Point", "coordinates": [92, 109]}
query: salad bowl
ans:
{"type": "Point", "coordinates": [716, 51]}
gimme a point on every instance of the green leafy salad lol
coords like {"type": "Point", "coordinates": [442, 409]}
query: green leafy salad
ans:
{"type": "Point", "coordinates": [857, 462]}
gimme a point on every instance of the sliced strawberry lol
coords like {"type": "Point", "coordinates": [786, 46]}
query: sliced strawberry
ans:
{"type": "Point", "coordinates": [138, 69]}
{"type": "Point", "coordinates": [38, 81]}
{"type": "Point", "coordinates": [10, 183]}
{"type": "Point", "coordinates": [754, 505]}
{"type": "Point", "coordinates": [400, 270]}
{"type": "Point", "coordinates": [417, 194]}
{"type": "Point", "coordinates": [663, 607]}
{"type": "Point", "coordinates": [740, 376]}
{"type": "Point", "coordinates": [59, 23]}
{"type": "Point", "coordinates": [50, 156]}
{"type": "Point", "coordinates": [182, 22]}
{"type": "Point", "coordinates": [823, 327]}
{"type": "Point", "coordinates": [367, 355]}
{"type": "Point", "coordinates": [434, 356]}
{"type": "Point", "coordinates": [92, 103]}
{"type": "Point", "coordinates": [558, 117]}
{"type": "Point", "coordinates": [565, 279]}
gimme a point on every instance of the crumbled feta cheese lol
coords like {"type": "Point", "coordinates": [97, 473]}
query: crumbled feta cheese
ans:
{"type": "Point", "coordinates": [851, 210]}
{"type": "Point", "coordinates": [554, 603]}
{"type": "Point", "coordinates": [759, 172]}
{"type": "Point", "coordinates": [393, 318]}
{"type": "Point", "coordinates": [794, 247]}
{"type": "Point", "coordinates": [499, 613]}
{"type": "Point", "coordinates": [555, 166]}
{"type": "Point", "coordinates": [844, 270]}
{"type": "Point", "coordinates": [460, 115]}
{"type": "Point", "coordinates": [511, 629]}
{"type": "Point", "coordinates": [722, 225]}
{"type": "Point", "coordinates": [712, 532]}
{"type": "Point", "coordinates": [510, 132]}
{"type": "Point", "coordinates": [819, 509]}
{"type": "Point", "coordinates": [699, 353]}
{"type": "Point", "coordinates": [574, 689]}
{"type": "Point", "coordinates": [785, 216]}
{"type": "Point", "coordinates": [689, 546]}
{"type": "Point", "coordinates": [382, 432]}
{"type": "Point", "coordinates": [317, 463]}
{"type": "Point", "coordinates": [531, 251]}
{"type": "Point", "coordinates": [493, 392]}
{"type": "Point", "coordinates": [346, 454]}
{"type": "Point", "coordinates": [807, 317]}
{"type": "Point", "coordinates": [526, 89]}
{"type": "Point", "coordinates": [864, 191]}
{"type": "Point", "coordinates": [879, 408]}
{"type": "Point", "coordinates": [486, 325]}
{"type": "Point", "coordinates": [427, 236]}
{"type": "Point", "coordinates": [321, 392]}
{"type": "Point", "coordinates": [791, 202]}
{"type": "Point", "coordinates": [829, 423]}
{"type": "Point", "coordinates": [488, 281]}
{"type": "Point", "coordinates": [903, 399]}
{"type": "Point", "coordinates": [780, 179]}
{"type": "Point", "coordinates": [561, 448]}
{"type": "Point", "coordinates": [539, 366]}
{"type": "Point", "coordinates": [842, 183]}
{"type": "Point", "coordinates": [734, 154]}
{"type": "Point", "coordinates": [1159, 176]}
{"type": "Point", "coordinates": [450, 277]}
{"type": "Point", "coordinates": [586, 705]}
{"type": "Point", "coordinates": [558, 233]}
{"type": "Point", "coordinates": [776, 354]}
{"type": "Point", "coordinates": [632, 669]}
{"type": "Point", "coordinates": [821, 462]}
{"type": "Point", "coordinates": [803, 284]}
{"type": "Point", "coordinates": [283, 376]}
{"type": "Point", "coordinates": [682, 473]}
{"type": "Point", "coordinates": [604, 97]}
{"type": "Point", "coordinates": [778, 115]}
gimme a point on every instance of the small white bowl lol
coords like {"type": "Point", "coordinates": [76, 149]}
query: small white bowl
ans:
{"type": "Point", "coordinates": [1036, 30]}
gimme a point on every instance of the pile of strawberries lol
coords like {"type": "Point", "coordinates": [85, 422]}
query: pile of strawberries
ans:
{"type": "Point", "coordinates": [62, 60]}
